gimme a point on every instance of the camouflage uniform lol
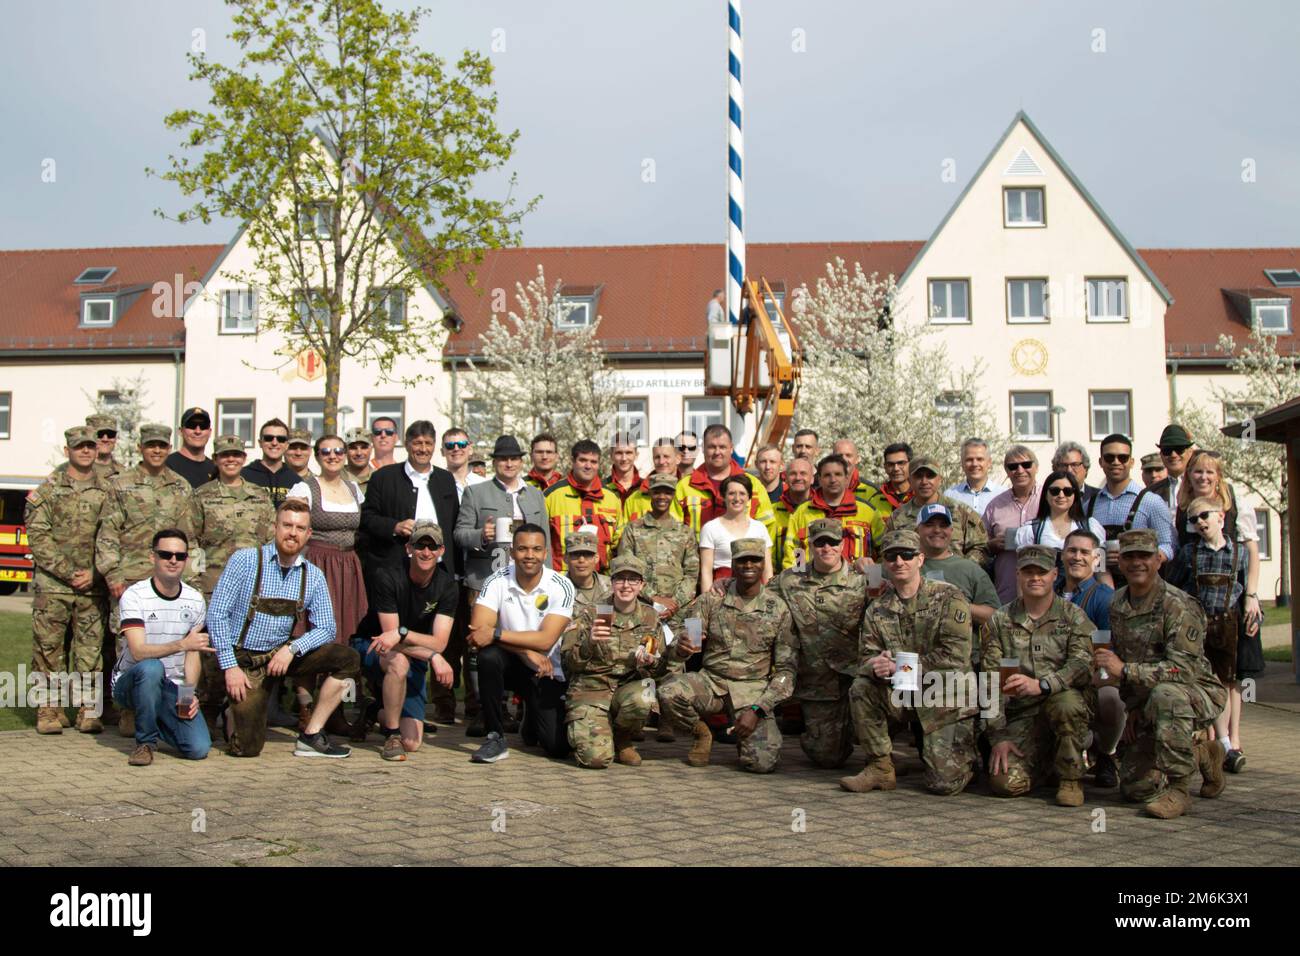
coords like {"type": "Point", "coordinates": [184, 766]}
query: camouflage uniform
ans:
{"type": "Point", "coordinates": [609, 693]}
{"type": "Point", "coordinates": [747, 660]}
{"type": "Point", "coordinates": [1056, 648]}
{"type": "Point", "coordinates": [62, 515]}
{"type": "Point", "coordinates": [598, 591]}
{"type": "Point", "coordinates": [671, 555]}
{"type": "Point", "coordinates": [826, 611]}
{"type": "Point", "coordinates": [936, 624]}
{"type": "Point", "coordinates": [226, 518]}
{"type": "Point", "coordinates": [103, 469]}
{"type": "Point", "coordinates": [359, 436]}
{"type": "Point", "coordinates": [1167, 681]}
{"type": "Point", "coordinates": [970, 539]}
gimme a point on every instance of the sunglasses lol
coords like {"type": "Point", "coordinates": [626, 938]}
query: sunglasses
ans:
{"type": "Point", "coordinates": [332, 452]}
{"type": "Point", "coordinates": [1203, 516]}
{"type": "Point", "coordinates": [106, 434]}
{"type": "Point", "coordinates": [172, 555]}
{"type": "Point", "coordinates": [452, 445]}
{"type": "Point", "coordinates": [1058, 491]}
{"type": "Point", "coordinates": [901, 555]}
{"type": "Point", "coordinates": [826, 543]}
{"type": "Point", "coordinates": [425, 545]}
{"type": "Point", "coordinates": [274, 439]}
{"type": "Point", "coordinates": [197, 426]}
{"type": "Point", "coordinates": [687, 447]}
{"type": "Point", "coordinates": [384, 431]}
{"type": "Point", "coordinates": [1112, 459]}
{"type": "Point", "coordinates": [1173, 450]}
{"type": "Point", "coordinates": [1017, 465]}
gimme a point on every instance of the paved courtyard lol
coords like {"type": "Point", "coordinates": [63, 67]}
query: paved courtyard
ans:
{"type": "Point", "coordinates": [72, 799]}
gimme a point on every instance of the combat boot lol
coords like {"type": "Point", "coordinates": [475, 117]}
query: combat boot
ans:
{"type": "Point", "coordinates": [1069, 793]}
{"type": "Point", "coordinates": [126, 723]}
{"type": "Point", "coordinates": [877, 775]}
{"type": "Point", "coordinates": [64, 722]}
{"type": "Point", "coordinates": [699, 752]}
{"type": "Point", "coordinates": [624, 752]}
{"type": "Point", "coordinates": [1174, 801]}
{"type": "Point", "coordinates": [1211, 766]}
{"type": "Point", "coordinates": [88, 723]}
{"type": "Point", "coordinates": [47, 721]}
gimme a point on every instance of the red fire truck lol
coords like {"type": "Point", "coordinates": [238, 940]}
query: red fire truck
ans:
{"type": "Point", "coordinates": [15, 554]}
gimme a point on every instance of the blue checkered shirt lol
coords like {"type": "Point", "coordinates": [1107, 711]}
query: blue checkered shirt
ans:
{"type": "Point", "coordinates": [1152, 513]}
{"type": "Point", "coordinates": [234, 592]}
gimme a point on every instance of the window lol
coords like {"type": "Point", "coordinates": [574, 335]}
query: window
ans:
{"type": "Point", "coordinates": [1026, 300]}
{"type": "Point", "coordinates": [1023, 207]}
{"type": "Point", "coordinates": [1273, 315]}
{"type": "Point", "coordinates": [389, 307]}
{"type": "Point", "coordinates": [949, 301]}
{"type": "Point", "coordinates": [315, 315]}
{"type": "Point", "coordinates": [1031, 415]}
{"type": "Point", "coordinates": [94, 276]}
{"type": "Point", "coordinates": [953, 407]}
{"type": "Point", "coordinates": [1283, 278]}
{"type": "Point", "coordinates": [574, 311]}
{"type": "Point", "coordinates": [633, 420]}
{"type": "Point", "coordinates": [778, 293]}
{"type": "Point", "coordinates": [1111, 413]}
{"type": "Point", "coordinates": [6, 403]}
{"type": "Point", "coordinates": [308, 413]}
{"type": "Point", "coordinates": [699, 413]}
{"type": "Point", "coordinates": [238, 311]}
{"type": "Point", "coordinates": [394, 408]}
{"type": "Point", "coordinates": [315, 220]}
{"type": "Point", "coordinates": [235, 417]}
{"type": "Point", "coordinates": [477, 417]}
{"type": "Point", "coordinates": [1234, 412]}
{"type": "Point", "coordinates": [97, 311]}
{"type": "Point", "coordinates": [1107, 300]}
{"type": "Point", "coordinates": [1264, 520]}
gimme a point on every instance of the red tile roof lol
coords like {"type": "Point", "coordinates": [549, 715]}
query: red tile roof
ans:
{"type": "Point", "coordinates": [653, 298]}
{"type": "Point", "coordinates": [40, 307]}
{"type": "Point", "coordinates": [1198, 278]}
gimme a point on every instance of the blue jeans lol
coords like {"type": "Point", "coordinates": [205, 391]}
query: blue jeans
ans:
{"type": "Point", "coordinates": [146, 690]}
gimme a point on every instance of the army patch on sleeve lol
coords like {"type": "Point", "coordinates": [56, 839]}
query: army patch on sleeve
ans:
{"type": "Point", "coordinates": [960, 616]}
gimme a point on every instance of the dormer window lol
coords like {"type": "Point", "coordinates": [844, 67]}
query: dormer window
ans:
{"type": "Point", "coordinates": [1023, 207]}
{"type": "Point", "coordinates": [575, 311]}
{"type": "Point", "coordinates": [94, 275]}
{"type": "Point", "coordinates": [1272, 316]}
{"type": "Point", "coordinates": [98, 312]}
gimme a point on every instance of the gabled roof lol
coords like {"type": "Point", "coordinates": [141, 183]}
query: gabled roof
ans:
{"type": "Point", "coordinates": [1023, 117]}
{"type": "Point", "coordinates": [40, 308]}
{"type": "Point", "coordinates": [653, 299]}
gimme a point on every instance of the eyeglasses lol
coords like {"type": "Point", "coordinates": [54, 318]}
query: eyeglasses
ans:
{"type": "Point", "coordinates": [826, 543]}
{"type": "Point", "coordinates": [451, 445]}
{"type": "Point", "coordinates": [274, 439]}
{"type": "Point", "coordinates": [685, 448]}
{"type": "Point", "coordinates": [1060, 491]}
{"type": "Point", "coordinates": [1173, 450]}
{"type": "Point", "coordinates": [891, 465]}
{"type": "Point", "coordinates": [172, 555]}
{"type": "Point", "coordinates": [1017, 465]}
{"type": "Point", "coordinates": [106, 433]}
{"type": "Point", "coordinates": [383, 431]}
{"type": "Point", "coordinates": [1203, 516]}
{"type": "Point", "coordinates": [901, 555]}
{"type": "Point", "coordinates": [1112, 459]}
{"type": "Point", "coordinates": [332, 452]}
{"type": "Point", "coordinates": [425, 545]}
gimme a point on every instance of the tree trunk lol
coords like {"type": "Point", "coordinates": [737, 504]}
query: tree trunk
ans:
{"type": "Point", "coordinates": [1284, 564]}
{"type": "Point", "coordinates": [333, 360]}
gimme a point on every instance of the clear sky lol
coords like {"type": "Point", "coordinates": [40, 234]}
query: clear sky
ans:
{"type": "Point", "coordinates": [851, 110]}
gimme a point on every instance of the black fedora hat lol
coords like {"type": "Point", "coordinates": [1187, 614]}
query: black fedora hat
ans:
{"type": "Point", "coordinates": [507, 446]}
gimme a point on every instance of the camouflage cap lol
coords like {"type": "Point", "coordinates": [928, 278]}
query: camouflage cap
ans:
{"type": "Point", "coordinates": [155, 432]}
{"type": "Point", "coordinates": [358, 436]}
{"type": "Point", "coordinates": [627, 564]}
{"type": "Point", "coordinates": [1152, 460]}
{"type": "Point", "coordinates": [748, 548]}
{"type": "Point", "coordinates": [300, 436]}
{"type": "Point", "coordinates": [825, 528]}
{"type": "Point", "coordinates": [228, 443]}
{"type": "Point", "coordinates": [79, 435]}
{"type": "Point", "coordinates": [902, 539]}
{"type": "Point", "coordinates": [425, 529]}
{"type": "Point", "coordinates": [924, 464]}
{"type": "Point", "coordinates": [580, 542]}
{"type": "Point", "coordinates": [102, 422]}
{"type": "Point", "coordinates": [1141, 540]}
{"type": "Point", "coordinates": [662, 480]}
{"type": "Point", "coordinates": [1036, 556]}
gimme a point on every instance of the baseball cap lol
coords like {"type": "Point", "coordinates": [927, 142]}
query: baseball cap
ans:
{"type": "Point", "coordinates": [1036, 556]}
{"type": "Point", "coordinates": [426, 530]}
{"type": "Point", "coordinates": [627, 564]}
{"type": "Point", "coordinates": [932, 511]}
{"type": "Point", "coordinates": [79, 435]}
{"type": "Point", "coordinates": [195, 413]}
{"type": "Point", "coordinates": [580, 542]}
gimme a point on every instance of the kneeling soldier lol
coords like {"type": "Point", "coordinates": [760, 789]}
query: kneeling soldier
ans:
{"type": "Point", "coordinates": [748, 664]}
{"type": "Point", "coordinates": [931, 619]}
{"type": "Point", "coordinates": [1043, 721]}
{"type": "Point", "coordinates": [1165, 681]}
{"type": "Point", "coordinates": [612, 670]}
{"type": "Point", "coordinates": [826, 601]}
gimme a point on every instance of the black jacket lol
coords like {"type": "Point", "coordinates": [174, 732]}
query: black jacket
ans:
{"type": "Point", "coordinates": [390, 498]}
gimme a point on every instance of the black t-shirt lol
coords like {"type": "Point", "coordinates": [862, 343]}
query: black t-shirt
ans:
{"type": "Point", "coordinates": [393, 592]}
{"type": "Point", "coordinates": [277, 483]}
{"type": "Point", "coordinates": [197, 473]}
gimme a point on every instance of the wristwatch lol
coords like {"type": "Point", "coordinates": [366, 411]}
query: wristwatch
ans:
{"type": "Point", "coordinates": [1045, 687]}
{"type": "Point", "coordinates": [402, 632]}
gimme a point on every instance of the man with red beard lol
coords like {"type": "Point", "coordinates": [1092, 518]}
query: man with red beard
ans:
{"type": "Point", "coordinates": [699, 494]}
{"type": "Point", "coordinates": [833, 498]}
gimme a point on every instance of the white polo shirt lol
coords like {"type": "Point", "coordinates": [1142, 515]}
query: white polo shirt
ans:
{"type": "Point", "coordinates": [520, 610]}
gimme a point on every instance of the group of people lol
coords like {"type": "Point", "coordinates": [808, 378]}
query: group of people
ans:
{"type": "Point", "coordinates": [701, 600]}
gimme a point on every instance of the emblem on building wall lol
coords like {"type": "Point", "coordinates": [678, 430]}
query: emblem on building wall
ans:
{"type": "Point", "coordinates": [310, 365]}
{"type": "Point", "coordinates": [1029, 357]}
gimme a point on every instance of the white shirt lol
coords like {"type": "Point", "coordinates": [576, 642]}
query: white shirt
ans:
{"type": "Point", "coordinates": [303, 490]}
{"type": "Point", "coordinates": [716, 536]}
{"type": "Point", "coordinates": [424, 510]}
{"type": "Point", "coordinates": [1049, 538]}
{"type": "Point", "coordinates": [516, 512]}
{"type": "Point", "coordinates": [470, 479]}
{"type": "Point", "coordinates": [164, 620]}
{"type": "Point", "coordinates": [520, 610]}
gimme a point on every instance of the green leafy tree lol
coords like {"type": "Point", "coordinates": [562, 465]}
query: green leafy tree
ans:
{"type": "Point", "coordinates": [351, 156]}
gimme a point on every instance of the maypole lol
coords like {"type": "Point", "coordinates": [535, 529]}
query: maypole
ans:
{"type": "Point", "coordinates": [735, 164]}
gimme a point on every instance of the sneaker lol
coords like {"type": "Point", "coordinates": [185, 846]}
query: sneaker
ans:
{"type": "Point", "coordinates": [1234, 761]}
{"type": "Point", "coordinates": [393, 749]}
{"type": "Point", "coordinates": [493, 749]}
{"type": "Point", "coordinates": [318, 745]}
{"type": "Point", "coordinates": [142, 757]}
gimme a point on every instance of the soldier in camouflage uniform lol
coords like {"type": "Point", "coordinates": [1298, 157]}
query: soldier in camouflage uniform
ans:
{"type": "Point", "coordinates": [142, 500]}
{"type": "Point", "coordinates": [104, 428]}
{"type": "Point", "coordinates": [932, 619]}
{"type": "Point", "coordinates": [227, 514]}
{"type": "Point", "coordinates": [970, 539]}
{"type": "Point", "coordinates": [748, 666]}
{"type": "Point", "coordinates": [1042, 726]}
{"type": "Point", "coordinates": [667, 547]}
{"type": "Point", "coordinates": [359, 468]}
{"type": "Point", "coordinates": [1165, 681]}
{"type": "Point", "coordinates": [62, 515]}
{"type": "Point", "coordinates": [589, 585]}
{"type": "Point", "coordinates": [826, 601]}
{"type": "Point", "coordinates": [612, 671]}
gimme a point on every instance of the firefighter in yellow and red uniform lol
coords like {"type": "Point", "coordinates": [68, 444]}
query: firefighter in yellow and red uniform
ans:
{"type": "Point", "coordinates": [580, 500]}
{"type": "Point", "coordinates": [833, 498]}
{"type": "Point", "coordinates": [699, 495]}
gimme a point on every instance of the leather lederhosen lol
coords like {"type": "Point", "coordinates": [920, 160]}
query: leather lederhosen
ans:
{"type": "Point", "coordinates": [275, 607]}
{"type": "Point", "coordinates": [1221, 626]}
{"type": "Point", "coordinates": [1113, 532]}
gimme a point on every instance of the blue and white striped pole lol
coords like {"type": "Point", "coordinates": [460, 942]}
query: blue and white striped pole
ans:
{"type": "Point", "coordinates": [735, 162]}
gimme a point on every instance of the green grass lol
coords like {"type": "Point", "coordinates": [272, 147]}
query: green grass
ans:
{"type": "Point", "coordinates": [15, 649]}
{"type": "Point", "coordinates": [1280, 653]}
{"type": "Point", "coordinates": [1275, 615]}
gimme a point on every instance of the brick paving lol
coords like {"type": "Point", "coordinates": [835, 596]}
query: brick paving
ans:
{"type": "Point", "coordinates": [72, 799]}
